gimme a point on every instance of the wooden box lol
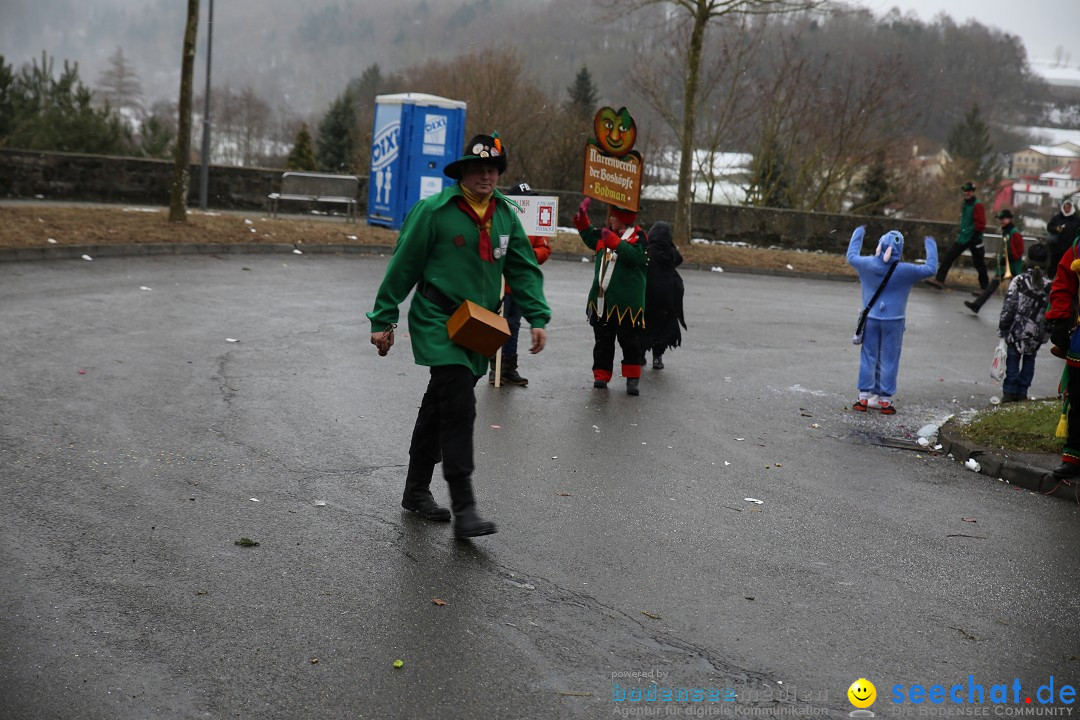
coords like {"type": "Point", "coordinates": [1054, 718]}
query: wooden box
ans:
{"type": "Point", "coordinates": [478, 329]}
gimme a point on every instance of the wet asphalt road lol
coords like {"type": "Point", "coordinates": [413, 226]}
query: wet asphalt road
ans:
{"type": "Point", "coordinates": [627, 552]}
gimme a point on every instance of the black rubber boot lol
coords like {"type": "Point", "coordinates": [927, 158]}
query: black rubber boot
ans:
{"type": "Point", "coordinates": [657, 362]}
{"type": "Point", "coordinates": [510, 373]}
{"type": "Point", "coordinates": [981, 297]}
{"type": "Point", "coordinates": [491, 372]}
{"type": "Point", "coordinates": [632, 386]}
{"type": "Point", "coordinates": [467, 523]}
{"type": "Point", "coordinates": [418, 499]}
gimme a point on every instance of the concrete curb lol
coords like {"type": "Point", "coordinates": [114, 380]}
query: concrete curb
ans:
{"type": "Point", "coordinates": [1015, 472]}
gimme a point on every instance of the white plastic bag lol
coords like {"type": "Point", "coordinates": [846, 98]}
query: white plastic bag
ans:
{"type": "Point", "coordinates": [997, 365]}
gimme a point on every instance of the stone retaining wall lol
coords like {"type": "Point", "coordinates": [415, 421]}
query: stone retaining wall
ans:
{"type": "Point", "coordinates": [95, 178]}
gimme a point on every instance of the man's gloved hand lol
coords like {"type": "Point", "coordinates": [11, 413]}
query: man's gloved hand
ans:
{"type": "Point", "coordinates": [581, 217]}
{"type": "Point", "coordinates": [1060, 332]}
{"type": "Point", "coordinates": [608, 240]}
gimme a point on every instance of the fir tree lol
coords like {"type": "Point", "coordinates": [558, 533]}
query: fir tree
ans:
{"type": "Point", "coordinates": [42, 111]}
{"type": "Point", "coordinates": [972, 152]}
{"type": "Point", "coordinates": [874, 188]}
{"type": "Point", "coordinates": [768, 187]}
{"type": "Point", "coordinates": [339, 135]}
{"type": "Point", "coordinates": [156, 137]}
{"type": "Point", "coordinates": [582, 94]}
{"type": "Point", "coordinates": [302, 155]}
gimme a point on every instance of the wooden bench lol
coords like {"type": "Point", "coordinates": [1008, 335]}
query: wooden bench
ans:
{"type": "Point", "coordinates": [317, 188]}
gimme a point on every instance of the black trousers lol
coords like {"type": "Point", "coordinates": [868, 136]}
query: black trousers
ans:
{"type": "Point", "coordinates": [1071, 451]}
{"type": "Point", "coordinates": [444, 425]}
{"type": "Point", "coordinates": [978, 259]}
{"type": "Point", "coordinates": [629, 339]}
{"type": "Point", "coordinates": [987, 293]}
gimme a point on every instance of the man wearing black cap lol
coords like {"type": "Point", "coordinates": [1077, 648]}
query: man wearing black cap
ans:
{"type": "Point", "coordinates": [455, 246]}
{"type": "Point", "coordinates": [1010, 259]}
{"type": "Point", "coordinates": [968, 237]}
{"type": "Point", "coordinates": [508, 371]}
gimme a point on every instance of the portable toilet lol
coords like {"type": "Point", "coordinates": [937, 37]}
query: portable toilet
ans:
{"type": "Point", "coordinates": [414, 137]}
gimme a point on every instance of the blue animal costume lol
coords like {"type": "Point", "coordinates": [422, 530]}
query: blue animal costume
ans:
{"type": "Point", "coordinates": [883, 336]}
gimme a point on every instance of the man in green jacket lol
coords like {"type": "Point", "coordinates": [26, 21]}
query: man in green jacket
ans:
{"type": "Point", "coordinates": [969, 237]}
{"type": "Point", "coordinates": [456, 246]}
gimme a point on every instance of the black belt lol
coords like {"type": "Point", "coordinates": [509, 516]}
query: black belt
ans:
{"type": "Point", "coordinates": [438, 297]}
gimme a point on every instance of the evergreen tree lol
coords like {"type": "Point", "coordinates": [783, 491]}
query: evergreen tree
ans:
{"type": "Point", "coordinates": [874, 188]}
{"type": "Point", "coordinates": [302, 155]}
{"type": "Point", "coordinates": [583, 94]}
{"type": "Point", "coordinates": [39, 111]}
{"type": "Point", "coordinates": [156, 137]}
{"type": "Point", "coordinates": [339, 136]}
{"type": "Point", "coordinates": [972, 152]}
{"type": "Point", "coordinates": [368, 85]}
{"type": "Point", "coordinates": [768, 187]}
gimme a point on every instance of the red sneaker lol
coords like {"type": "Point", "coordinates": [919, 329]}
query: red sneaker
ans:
{"type": "Point", "coordinates": [860, 405]}
{"type": "Point", "coordinates": [887, 408]}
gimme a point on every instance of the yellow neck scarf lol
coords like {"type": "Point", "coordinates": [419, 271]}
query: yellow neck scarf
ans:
{"type": "Point", "coordinates": [478, 203]}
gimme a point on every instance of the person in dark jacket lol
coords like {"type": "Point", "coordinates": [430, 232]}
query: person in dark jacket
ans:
{"type": "Point", "coordinates": [1022, 325]}
{"type": "Point", "coordinates": [1063, 228]}
{"type": "Point", "coordinates": [663, 295]}
{"type": "Point", "coordinates": [508, 370]}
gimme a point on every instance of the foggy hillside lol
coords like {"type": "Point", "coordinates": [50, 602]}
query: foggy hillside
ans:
{"type": "Point", "coordinates": [301, 54]}
{"type": "Point", "coordinates": [297, 57]}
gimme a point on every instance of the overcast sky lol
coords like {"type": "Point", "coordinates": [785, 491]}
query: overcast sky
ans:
{"type": "Point", "coordinates": [1044, 25]}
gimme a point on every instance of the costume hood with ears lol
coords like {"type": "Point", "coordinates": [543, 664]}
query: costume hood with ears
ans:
{"type": "Point", "coordinates": [1071, 210]}
{"type": "Point", "coordinates": [890, 247]}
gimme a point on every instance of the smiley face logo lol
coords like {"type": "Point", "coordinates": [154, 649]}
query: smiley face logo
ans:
{"type": "Point", "coordinates": [862, 693]}
{"type": "Point", "coordinates": [615, 131]}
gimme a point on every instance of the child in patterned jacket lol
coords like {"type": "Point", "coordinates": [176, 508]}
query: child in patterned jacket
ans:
{"type": "Point", "coordinates": [1023, 326]}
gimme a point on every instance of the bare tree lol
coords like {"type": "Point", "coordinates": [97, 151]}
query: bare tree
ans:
{"type": "Point", "coordinates": [700, 14]}
{"type": "Point", "coordinates": [500, 98]}
{"type": "Point", "coordinates": [181, 175]}
{"type": "Point", "coordinates": [725, 82]}
{"type": "Point", "coordinates": [119, 84]}
{"type": "Point", "coordinates": [814, 148]}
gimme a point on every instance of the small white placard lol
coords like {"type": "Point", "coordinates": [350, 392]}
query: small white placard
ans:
{"type": "Point", "coordinates": [539, 213]}
{"type": "Point", "coordinates": [430, 186]}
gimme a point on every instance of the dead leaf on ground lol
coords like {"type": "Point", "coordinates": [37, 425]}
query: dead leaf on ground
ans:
{"type": "Point", "coordinates": [646, 613]}
{"type": "Point", "coordinates": [439, 601]}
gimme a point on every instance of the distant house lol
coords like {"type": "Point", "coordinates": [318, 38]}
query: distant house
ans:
{"type": "Point", "coordinates": [1049, 188]}
{"type": "Point", "coordinates": [929, 165]}
{"type": "Point", "coordinates": [1037, 159]}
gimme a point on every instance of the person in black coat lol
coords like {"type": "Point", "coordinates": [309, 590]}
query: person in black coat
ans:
{"type": "Point", "coordinates": [1063, 227]}
{"type": "Point", "coordinates": [663, 295]}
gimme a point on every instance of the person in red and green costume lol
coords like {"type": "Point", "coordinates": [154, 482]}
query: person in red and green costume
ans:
{"type": "Point", "coordinates": [968, 237]}
{"type": "Point", "coordinates": [1011, 254]}
{"type": "Point", "coordinates": [1061, 320]}
{"type": "Point", "coordinates": [454, 246]}
{"type": "Point", "coordinates": [616, 306]}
